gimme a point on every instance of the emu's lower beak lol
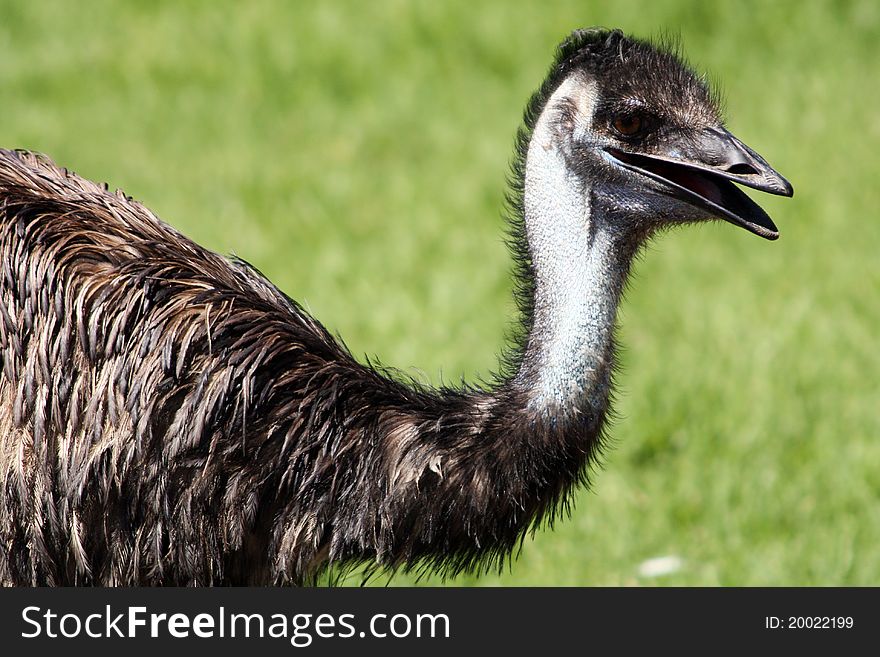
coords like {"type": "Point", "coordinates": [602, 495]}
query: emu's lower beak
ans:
{"type": "Point", "coordinates": [700, 170]}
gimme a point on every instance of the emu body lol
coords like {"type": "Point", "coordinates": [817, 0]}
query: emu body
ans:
{"type": "Point", "coordinates": [168, 416]}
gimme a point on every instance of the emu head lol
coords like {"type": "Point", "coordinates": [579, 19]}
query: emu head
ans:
{"type": "Point", "coordinates": [644, 134]}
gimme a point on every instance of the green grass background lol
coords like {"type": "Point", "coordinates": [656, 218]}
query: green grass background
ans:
{"type": "Point", "coordinates": [356, 153]}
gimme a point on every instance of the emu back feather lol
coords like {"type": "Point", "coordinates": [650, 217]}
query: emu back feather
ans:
{"type": "Point", "coordinates": [168, 416]}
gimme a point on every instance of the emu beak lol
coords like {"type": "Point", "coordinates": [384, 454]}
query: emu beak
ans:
{"type": "Point", "coordinates": [700, 170]}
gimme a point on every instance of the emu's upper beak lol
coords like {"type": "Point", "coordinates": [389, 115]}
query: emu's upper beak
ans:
{"type": "Point", "coordinates": [699, 171]}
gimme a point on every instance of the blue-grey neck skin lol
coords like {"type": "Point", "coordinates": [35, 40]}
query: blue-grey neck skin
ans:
{"type": "Point", "coordinates": [581, 259]}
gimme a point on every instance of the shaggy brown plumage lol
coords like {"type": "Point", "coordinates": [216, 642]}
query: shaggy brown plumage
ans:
{"type": "Point", "coordinates": [169, 416]}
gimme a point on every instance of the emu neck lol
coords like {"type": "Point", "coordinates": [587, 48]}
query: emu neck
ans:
{"type": "Point", "coordinates": [580, 258]}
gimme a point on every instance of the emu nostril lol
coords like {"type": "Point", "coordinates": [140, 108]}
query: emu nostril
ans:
{"type": "Point", "coordinates": [742, 168]}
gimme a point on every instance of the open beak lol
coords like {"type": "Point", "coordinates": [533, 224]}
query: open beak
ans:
{"type": "Point", "coordinates": [702, 171]}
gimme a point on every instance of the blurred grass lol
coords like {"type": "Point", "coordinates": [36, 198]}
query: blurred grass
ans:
{"type": "Point", "coordinates": [356, 153]}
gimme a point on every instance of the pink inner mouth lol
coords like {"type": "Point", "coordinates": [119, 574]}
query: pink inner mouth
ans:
{"type": "Point", "coordinates": [701, 185]}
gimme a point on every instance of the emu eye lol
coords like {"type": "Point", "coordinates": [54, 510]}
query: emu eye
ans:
{"type": "Point", "coordinates": [629, 125]}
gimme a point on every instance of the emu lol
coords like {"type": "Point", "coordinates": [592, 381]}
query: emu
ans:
{"type": "Point", "coordinates": [168, 416]}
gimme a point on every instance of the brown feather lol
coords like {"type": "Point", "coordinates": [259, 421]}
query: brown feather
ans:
{"type": "Point", "coordinates": [168, 416]}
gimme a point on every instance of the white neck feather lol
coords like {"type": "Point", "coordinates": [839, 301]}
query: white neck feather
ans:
{"type": "Point", "coordinates": [580, 265]}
